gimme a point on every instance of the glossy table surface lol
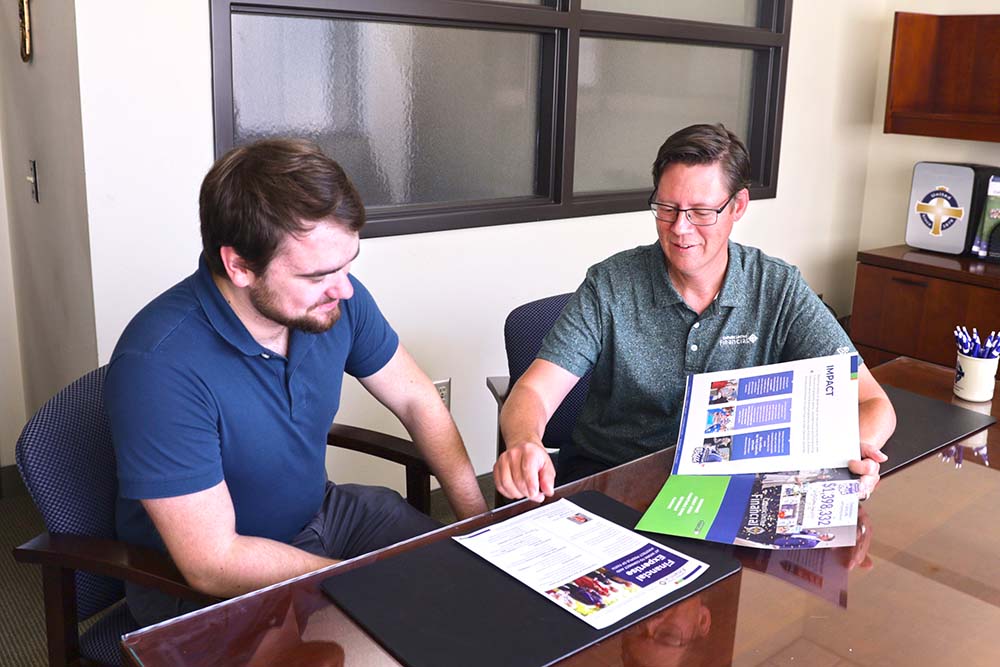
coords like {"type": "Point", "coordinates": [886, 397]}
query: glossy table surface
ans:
{"type": "Point", "coordinates": [921, 588]}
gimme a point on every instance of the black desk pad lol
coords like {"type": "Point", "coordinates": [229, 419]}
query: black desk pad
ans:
{"type": "Point", "coordinates": [442, 605]}
{"type": "Point", "coordinates": [924, 425]}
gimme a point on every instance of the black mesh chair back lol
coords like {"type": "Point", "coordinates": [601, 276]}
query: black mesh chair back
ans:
{"type": "Point", "coordinates": [67, 462]}
{"type": "Point", "coordinates": [524, 331]}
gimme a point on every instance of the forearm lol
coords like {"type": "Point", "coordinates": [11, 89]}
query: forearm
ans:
{"type": "Point", "coordinates": [876, 421]}
{"type": "Point", "coordinates": [248, 563]}
{"type": "Point", "coordinates": [402, 387]}
{"type": "Point", "coordinates": [523, 417]}
{"type": "Point", "coordinates": [458, 481]}
{"type": "Point", "coordinates": [435, 435]}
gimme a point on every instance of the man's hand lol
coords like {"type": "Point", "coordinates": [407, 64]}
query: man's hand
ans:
{"type": "Point", "coordinates": [868, 468]}
{"type": "Point", "coordinates": [876, 422]}
{"type": "Point", "coordinates": [525, 471]}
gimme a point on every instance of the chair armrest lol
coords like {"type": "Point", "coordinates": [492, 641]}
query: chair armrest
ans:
{"type": "Point", "coordinates": [146, 567]}
{"type": "Point", "coordinates": [391, 448]}
{"type": "Point", "coordinates": [499, 386]}
{"type": "Point", "coordinates": [382, 445]}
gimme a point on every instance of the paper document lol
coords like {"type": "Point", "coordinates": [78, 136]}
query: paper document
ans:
{"type": "Point", "coordinates": [592, 567]}
{"type": "Point", "coordinates": [783, 510]}
{"type": "Point", "coordinates": [798, 415]}
{"type": "Point", "coordinates": [762, 455]}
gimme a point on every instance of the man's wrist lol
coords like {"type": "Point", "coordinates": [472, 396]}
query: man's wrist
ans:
{"type": "Point", "coordinates": [525, 443]}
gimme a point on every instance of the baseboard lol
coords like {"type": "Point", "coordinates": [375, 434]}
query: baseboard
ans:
{"type": "Point", "coordinates": [11, 483]}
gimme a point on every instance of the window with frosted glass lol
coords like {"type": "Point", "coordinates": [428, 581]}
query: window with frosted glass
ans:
{"type": "Point", "coordinates": [631, 95]}
{"type": "Point", "coordinates": [415, 114]}
{"type": "Point", "coordinates": [451, 114]}
{"type": "Point", "coordinates": [738, 12]}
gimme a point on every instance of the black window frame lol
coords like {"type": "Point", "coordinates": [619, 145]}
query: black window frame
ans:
{"type": "Point", "coordinates": [561, 23]}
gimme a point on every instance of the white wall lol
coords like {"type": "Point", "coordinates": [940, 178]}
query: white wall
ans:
{"type": "Point", "coordinates": [48, 240]}
{"type": "Point", "coordinates": [146, 112]}
{"type": "Point", "coordinates": [814, 220]}
{"type": "Point", "coordinates": [891, 156]}
{"type": "Point", "coordinates": [11, 382]}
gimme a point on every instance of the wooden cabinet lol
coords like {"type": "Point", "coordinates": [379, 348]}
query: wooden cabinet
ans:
{"type": "Point", "coordinates": [944, 76]}
{"type": "Point", "coordinates": [908, 302]}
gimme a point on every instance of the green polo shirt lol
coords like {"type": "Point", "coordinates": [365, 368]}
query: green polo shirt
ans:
{"type": "Point", "coordinates": [628, 323]}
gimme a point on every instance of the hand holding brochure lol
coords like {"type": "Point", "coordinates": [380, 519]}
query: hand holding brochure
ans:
{"type": "Point", "coordinates": [762, 457]}
{"type": "Point", "coordinates": [595, 569]}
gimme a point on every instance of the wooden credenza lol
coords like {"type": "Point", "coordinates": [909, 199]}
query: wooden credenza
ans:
{"type": "Point", "coordinates": [907, 302]}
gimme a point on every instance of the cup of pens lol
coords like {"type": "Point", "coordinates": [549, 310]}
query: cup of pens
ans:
{"type": "Point", "coordinates": [976, 368]}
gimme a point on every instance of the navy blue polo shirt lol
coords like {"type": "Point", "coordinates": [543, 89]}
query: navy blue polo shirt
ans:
{"type": "Point", "coordinates": [193, 399]}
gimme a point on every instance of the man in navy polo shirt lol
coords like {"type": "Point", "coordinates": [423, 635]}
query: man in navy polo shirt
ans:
{"type": "Point", "coordinates": [221, 390]}
{"type": "Point", "coordinates": [644, 319]}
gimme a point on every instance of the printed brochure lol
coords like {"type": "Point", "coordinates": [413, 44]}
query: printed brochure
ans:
{"type": "Point", "coordinates": [592, 567]}
{"type": "Point", "coordinates": [762, 457]}
{"type": "Point", "coordinates": [797, 415]}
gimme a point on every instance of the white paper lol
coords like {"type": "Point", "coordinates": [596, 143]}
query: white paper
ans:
{"type": "Point", "coordinates": [798, 415]}
{"type": "Point", "coordinates": [592, 567]}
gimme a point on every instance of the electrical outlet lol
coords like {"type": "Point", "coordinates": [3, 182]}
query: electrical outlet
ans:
{"type": "Point", "coordinates": [33, 180]}
{"type": "Point", "coordinates": [444, 391]}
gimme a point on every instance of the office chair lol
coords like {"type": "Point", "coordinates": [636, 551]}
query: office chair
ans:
{"type": "Point", "coordinates": [524, 330]}
{"type": "Point", "coordinates": [68, 465]}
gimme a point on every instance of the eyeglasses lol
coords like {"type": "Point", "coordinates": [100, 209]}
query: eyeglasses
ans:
{"type": "Point", "coordinates": [702, 217]}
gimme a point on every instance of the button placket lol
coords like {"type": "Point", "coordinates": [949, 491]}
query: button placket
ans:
{"type": "Point", "coordinates": [693, 346]}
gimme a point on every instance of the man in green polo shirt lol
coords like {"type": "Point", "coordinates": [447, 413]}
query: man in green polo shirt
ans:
{"type": "Point", "coordinates": [646, 318]}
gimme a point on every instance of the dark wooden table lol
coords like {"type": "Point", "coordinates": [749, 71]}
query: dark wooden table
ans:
{"type": "Point", "coordinates": [925, 589]}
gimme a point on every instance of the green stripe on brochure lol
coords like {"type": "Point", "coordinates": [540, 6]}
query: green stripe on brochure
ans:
{"type": "Point", "coordinates": [686, 506]}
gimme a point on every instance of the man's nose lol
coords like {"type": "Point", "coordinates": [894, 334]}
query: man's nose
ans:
{"type": "Point", "coordinates": [341, 288]}
{"type": "Point", "coordinates": [683, 223]}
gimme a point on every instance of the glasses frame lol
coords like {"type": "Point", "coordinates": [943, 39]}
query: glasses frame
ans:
{"type": "Point", "coordinates": [686, 211]}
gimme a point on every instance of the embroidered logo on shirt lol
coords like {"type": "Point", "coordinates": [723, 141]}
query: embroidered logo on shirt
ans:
{"type": "Point", "coordinates": [738, 339]}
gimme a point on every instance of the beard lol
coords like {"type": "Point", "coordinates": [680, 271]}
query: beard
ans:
{"type": "Point", "coordinates": [266, 302]}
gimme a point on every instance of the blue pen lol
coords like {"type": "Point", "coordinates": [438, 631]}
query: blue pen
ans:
{"type": "Point", "coordinates": [963, 341]}
{"type": "Point", "coordinates": [972, 345]}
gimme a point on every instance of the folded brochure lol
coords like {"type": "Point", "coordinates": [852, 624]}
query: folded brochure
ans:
{"type": "Point", "coordinates": [761, 458]}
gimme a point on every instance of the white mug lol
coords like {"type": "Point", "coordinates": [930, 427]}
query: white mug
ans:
{"type": "Point", "coordinates": [975, 377]}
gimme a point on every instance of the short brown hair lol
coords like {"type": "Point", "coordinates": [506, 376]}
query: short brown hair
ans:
{"type": "Point", "coordinates": [706, 144]}
{"type": "Point", "coordinates": [255, 195]}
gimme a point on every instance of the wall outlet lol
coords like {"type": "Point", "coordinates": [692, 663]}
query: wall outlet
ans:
{"type": "Point", "coordinates": [444, 391]}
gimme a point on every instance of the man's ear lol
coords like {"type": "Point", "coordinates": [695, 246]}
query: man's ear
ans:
{"type": "Point", "coordinates": [236, 267]}
{"type": "Point", "coordinates": [740, 202]}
